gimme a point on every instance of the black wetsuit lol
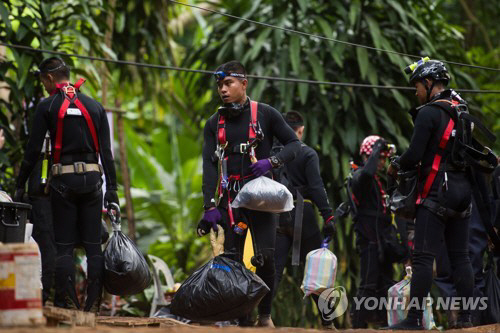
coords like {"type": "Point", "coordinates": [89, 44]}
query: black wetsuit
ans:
{"type": "Point", "coordinates": [76, 198]}
{"type": "Point", "coordinates": [43, 228]}
{"type": "Point", "coordinates": [302, 174]}
{"type": "Point", "coordinates": [261, 224]}
{"type": "Point", "coordinates": [372, 217]}
{"type": "Point", "coordinates": [432, 230]}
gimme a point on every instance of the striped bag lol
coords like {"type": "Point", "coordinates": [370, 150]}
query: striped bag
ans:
{"type": "Point", "coordinates": [320, 270]}
{"type": "Point", "coordinates": [399, 299]}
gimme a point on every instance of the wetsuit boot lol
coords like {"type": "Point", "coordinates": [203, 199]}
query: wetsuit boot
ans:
{"type": "Point", "coordinates": [94, 286]}
{"type": "Point", "coordinates": [65, 295]}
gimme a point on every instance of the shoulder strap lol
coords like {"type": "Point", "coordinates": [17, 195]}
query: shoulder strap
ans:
{"type": "Point", "coordinates": [70, 96]}
{"type": "Point", "coordinates": [221, 125]}
{"type": "Point", "coordinates": [437, 160]}
{"type": "Point", "coordinates": [221, 130]}
{"type": "Point", "coordinates": [253, 120]}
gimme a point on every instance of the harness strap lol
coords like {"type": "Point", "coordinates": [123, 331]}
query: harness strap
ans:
{"type": "Point", "coordinates": [253, 120]}
{"type": "Point", "coordinates": [70, 96]}
{"type": "Point", "coordinates": [436, 162]}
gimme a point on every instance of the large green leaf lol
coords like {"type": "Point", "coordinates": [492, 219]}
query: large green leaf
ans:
{"type": "Point", "coordinates": [295, 53]}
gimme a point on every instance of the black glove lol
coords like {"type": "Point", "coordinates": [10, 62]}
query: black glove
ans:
{"type": "Point", "coordinates": [380, 145]}
{"type": "Point", "coordinates": [19, 195]}
{"type": "Point", "coordinates": [109, 197]}
{"type": "Point", "coordinates": [329, 227]}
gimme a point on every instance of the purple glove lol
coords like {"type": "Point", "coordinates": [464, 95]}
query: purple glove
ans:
{"type": "Point", "coordinates": [261, 167]}
{"type": "Point", "coordinates": [208, 221]}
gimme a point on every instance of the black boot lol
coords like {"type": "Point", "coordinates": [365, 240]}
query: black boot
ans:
{"type": "Point", "coordinates": [409, 324]}
{"type": "Point", "coordinates": [94, 286]}
{"type": "Point", "coordinates": [358, 320]}
{"type": "Point", "coordinates": [65, 295]}
{"type": "Point", "coordinates": [464, 320]}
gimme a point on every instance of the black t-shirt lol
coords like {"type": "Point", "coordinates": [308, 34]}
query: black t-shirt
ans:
{"type": "Point", "coordinates": [303, 173]}
{"type": "Point", "coordinates": [76, 139]}
{"type": "Point", "coordinates": [272, 125]}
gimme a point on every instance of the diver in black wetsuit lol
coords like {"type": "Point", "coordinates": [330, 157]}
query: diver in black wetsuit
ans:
{"type": "Point", "coordinates": [228, 142]}
{"type": "Point", "coordinates": [372, 216]}
{"type": "Point", "coordinates": [79, 136]}
{"type": "Point", "coordinates": [302, 175]}
{"type": "Point", "coordinates": [443, 207]}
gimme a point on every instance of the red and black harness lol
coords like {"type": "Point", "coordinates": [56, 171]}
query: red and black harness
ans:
{"type": "Point", "coordinates": [228, 183]}
{"type": "Point", "coordinates": [437, 166]}
{"type": "Point", "coordinates": [71, 97]}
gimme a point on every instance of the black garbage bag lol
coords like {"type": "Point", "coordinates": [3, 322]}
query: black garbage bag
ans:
{"type": "Point", "coordinates": [126, 271]}
{"type": "Point", "coordinates": [492, 291]}
{"type": "Point", "coordinates": [220, 290]}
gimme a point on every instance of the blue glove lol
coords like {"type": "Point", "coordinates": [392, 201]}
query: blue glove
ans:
{"type": "Point", "coordinates": [208, 221]}
{"type": "Point", "coordinates": [261, 167]}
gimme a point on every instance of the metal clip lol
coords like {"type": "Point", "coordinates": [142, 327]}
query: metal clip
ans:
{"type": "Point", "coordinates": [80, 167]}
{"type": "Point", "coordinates": [445, 181]}
{"type": "Point", "coordinates": [56, 169]}
{"type": "Point", "coordinates": [243, 148]}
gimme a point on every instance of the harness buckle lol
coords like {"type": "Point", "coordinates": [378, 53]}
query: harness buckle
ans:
{"type": "Point", "coordinates": [56, 169]}
{"type": "Point", "coordinates": [80, 167]}
{"type": "Point", "coordinates": [243, 148]}
{"type": "Point", "coordinates": [441, 211]}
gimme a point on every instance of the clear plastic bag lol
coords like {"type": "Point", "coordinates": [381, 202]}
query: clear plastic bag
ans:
{"type": "Point", "coordinates": [264, 194]}
{"type": "Point", "coordinates": [320, 271]}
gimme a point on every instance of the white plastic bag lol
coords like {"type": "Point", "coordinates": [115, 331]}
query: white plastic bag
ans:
{"type": "Point", "coordinates": [264, 194]}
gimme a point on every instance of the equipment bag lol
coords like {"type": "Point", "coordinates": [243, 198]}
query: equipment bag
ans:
{"type": "Point", "coordinates": [399, 299]}
{"type": "Point", "coordinates": [320, 270]}
{"type": "Point", "coordinates": [126, 271]}
{"type": "Point", "coordinates": [264, 194]}
{"type": "Point", "coordinates": [220, 290]}
{"type": "Point", "coordinates": [403, 200]}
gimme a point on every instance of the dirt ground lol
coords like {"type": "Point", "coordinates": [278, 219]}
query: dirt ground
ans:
{"type": "Point", "coordinates": [168, 328]}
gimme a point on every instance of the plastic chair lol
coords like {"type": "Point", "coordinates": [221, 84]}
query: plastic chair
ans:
{"type": "Point", "coordinates": [159, 266]}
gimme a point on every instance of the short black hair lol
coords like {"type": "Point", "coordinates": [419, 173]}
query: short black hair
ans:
{"type": "Point", "coordinates": [232, 66]}
{"type": "Point", "coordinates": [54, 66]}
{"type": "Point", "coordinates": [294, 119]}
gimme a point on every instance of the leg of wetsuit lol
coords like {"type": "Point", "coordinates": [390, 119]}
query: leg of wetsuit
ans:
{"type": "Point", "coordinates": [263, 228]}
{"type": "Point", "coordinates": [369, 266]}
{"type": "Point", "coordinates": [456, 238]}
{"type": "Point", "coordinates": [89, 223]}
{"type": "Point", "coordinates": [283, 246]}
{"type": "Point", "coordinates": [429, 237]}
{"type": "Point", "coordinates": [43, 233]}
{"type": "Point", "coordinates": [65, 231]}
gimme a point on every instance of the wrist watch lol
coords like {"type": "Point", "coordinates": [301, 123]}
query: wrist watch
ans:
{"type": "Point", "coordinates": [210, 205]}
{"type": "Point", "coordinates": [275, 162]}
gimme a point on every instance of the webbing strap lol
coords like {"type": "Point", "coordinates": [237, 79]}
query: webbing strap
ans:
{"type": "Point", "coordinates": [59, 130]}
{"type": "Point", "coordinates": [253, 120]}
{"type": "Point", "coordinates": [221, 134]}
{"type": "Point", "coordinates": [436, 162]}
{"type": "Point", "coordinates": [69, 97]}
